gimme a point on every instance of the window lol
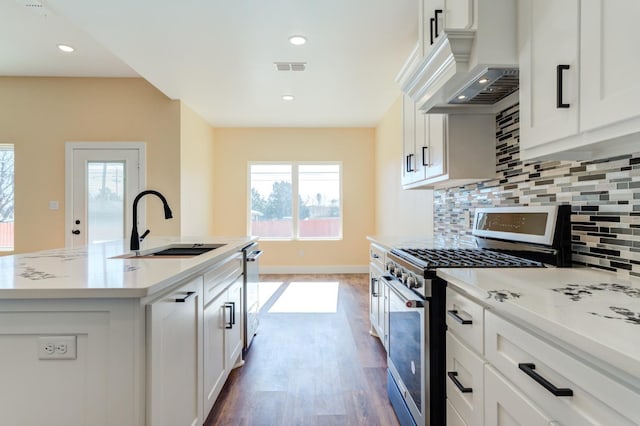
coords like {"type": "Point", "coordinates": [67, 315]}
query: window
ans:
{"type": "Point", "coordinates": [316, 212]}
{"type": "Point", "coordinates": [6, 197]}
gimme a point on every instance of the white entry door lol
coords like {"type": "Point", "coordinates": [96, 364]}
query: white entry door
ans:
{"type": "Point", "coordinates": [102, 181]}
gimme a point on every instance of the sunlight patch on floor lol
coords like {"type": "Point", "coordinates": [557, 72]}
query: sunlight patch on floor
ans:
{"type": "Point", "coordinates": [308, 297]}
{"type": "Point", "coordinates": [266, 290]}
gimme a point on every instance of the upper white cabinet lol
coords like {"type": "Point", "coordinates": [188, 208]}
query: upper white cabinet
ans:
{"type": "Point", "coordinates": [446, 150]}
{"type": "Point", "coordinates": [578, 78]}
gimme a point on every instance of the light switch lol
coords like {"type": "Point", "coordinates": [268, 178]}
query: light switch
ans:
{"type": "Point", "coordinates": [54, 205]}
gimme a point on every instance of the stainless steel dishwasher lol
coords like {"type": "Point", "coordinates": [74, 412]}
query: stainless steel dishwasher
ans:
{"type": "Point", "coordinates": [251, 253]}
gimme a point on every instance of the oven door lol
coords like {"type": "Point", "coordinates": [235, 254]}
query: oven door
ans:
{"type": "Point", "coordinates": [408, 340]}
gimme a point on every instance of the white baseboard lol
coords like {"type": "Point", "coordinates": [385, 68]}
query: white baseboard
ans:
{"type": "Point", "coordinates": [323, 269]}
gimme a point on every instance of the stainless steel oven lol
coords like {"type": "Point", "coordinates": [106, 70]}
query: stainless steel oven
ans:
{"type": "Point", "coordinates": [504, 237]}
{"type": "Point", "coordinates": [408, 320]}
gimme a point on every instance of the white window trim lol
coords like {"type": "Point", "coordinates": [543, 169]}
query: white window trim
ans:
{"type": "Point", "coordinates": [12, 147]}
{"type": "Point", "coordinates": [294, 211]}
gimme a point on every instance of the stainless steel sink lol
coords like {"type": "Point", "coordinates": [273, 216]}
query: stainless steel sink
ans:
{"type": "Point", "coordinates": [172, 251]}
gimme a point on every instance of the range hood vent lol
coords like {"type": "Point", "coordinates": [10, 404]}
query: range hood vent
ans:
{"type": "Point", "coordinates": [466, 70]}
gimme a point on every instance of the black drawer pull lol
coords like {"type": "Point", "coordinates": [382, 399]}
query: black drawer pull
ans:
{"type": "Point", "coordinates": [184, 299]}
{"type": "Point", "coordinates": [431, 22]}
{"type": "Point", "coordinates": [559, 84]}
{"type": "Point", "coordinates": [228, 324]}
{"type": "Point", "coordinates": [529, 370]}
{"type": "Point", "coordinates": [453, 375]}
{"type": "Point", "coordinates": [455, 316]}
{"type": "Point", "coordinates": [375, 256]}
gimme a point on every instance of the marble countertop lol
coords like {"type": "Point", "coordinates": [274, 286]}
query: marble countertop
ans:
{"type": "Point", "coordinates": [597, 312]}
{"type": "Point", "coordinates": [92, 272]}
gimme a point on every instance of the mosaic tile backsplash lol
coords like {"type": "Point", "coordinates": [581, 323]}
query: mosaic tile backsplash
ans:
{"type": "Point", "coordinates": [604, 195]}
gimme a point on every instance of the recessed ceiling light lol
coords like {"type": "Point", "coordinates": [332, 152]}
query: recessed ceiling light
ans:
{"type": "Point", "coordinates": [483, 80]}
{"type": "Point", "coordinates": [462, 97]}
{"type": "Point", "coordinates": [297, 40]}
{"type": "Point", "coordinates": [288, 97]}
{"type": "Point", "coordinates": [65, 48]}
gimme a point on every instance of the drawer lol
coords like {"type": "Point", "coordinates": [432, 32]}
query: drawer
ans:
{"type": "Point", "coordinates": [465, 319]}
{"type": "Point", "coordinates": [453, 418]}
{"type": "Point", "coordinates": [218, 278]}
{"type": "Point", "coordinates": [377, 255]}
{"type": "Point", "coordinates": [465, 367]}
{"type": "Point", "coordinates": [596, 398]}
{"type": "Point", "coordinates": [505, 405]}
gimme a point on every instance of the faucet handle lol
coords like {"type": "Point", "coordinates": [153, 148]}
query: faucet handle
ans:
{"type": "Point", "coordinates": [144, 234]}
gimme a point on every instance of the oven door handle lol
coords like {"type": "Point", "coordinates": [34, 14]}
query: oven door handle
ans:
{"type": "Point", "coordinates": [409, 298]}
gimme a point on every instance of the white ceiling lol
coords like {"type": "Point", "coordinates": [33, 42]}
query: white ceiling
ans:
{"type": "Point", "coordinates": [217, 55]}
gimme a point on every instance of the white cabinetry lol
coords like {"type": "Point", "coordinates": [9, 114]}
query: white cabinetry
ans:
{"type": "Point", "coordinates": [174, 326]}
{"type": "Point", "coordinates": [465, 375]}
{"type": "Point", "coordinates": [222, 326]}
{"type": "Point", "coordinates": [499, 373]}
{"type": "Point", "coordinates": [446, 150]}
{"type": "Point", "coordinates": [578, 78]}
{"type": "Point", "coordinates": [378, 294]}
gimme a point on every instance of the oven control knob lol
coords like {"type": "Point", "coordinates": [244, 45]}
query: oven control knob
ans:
{"type": "Point", "coordinates": [411, 282]}
{"type": "Point", "coordinates": [390, 267]}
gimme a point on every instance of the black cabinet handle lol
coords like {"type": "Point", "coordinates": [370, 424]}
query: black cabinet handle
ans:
{"type": "Point", "coordinates": [184, 299]}
{"type": "Point", "coordinates": [559, 84]}
{"type": "Point", "coordinates": [455, 316]}
{"type": "Point", "coordinates": [76, 232]}
{"type": "Point", "coordinates": [431, 22]}
{"type": "Point", "coordinates": [233, 312]}
{"type": "Point", "coordinates": [453, 376]}
{"type": "Point", "coordinates": [228, 324]}
{"type": "Point", "coordinates": [424, 156]}
{"type": "Point", "coordinates": [435, 17]}
{"type": "Point", "coordinates": [374, 290]}
{"type": "Point", "coordinates": [410, 163]}
{"type": "Point", "coordinates": [375, 256]}
{"type": "Point", "coordinates": [529, 370]}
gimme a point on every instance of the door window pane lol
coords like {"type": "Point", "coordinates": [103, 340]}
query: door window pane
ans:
{"type": "Point", "coordinates": [6, 197]}
{"type": "Point", "coordinates": [105, 201]}
{"type": "Point", "coordinates": [319, 211]}
{"type": "Point", "coordinates": [271, 200]}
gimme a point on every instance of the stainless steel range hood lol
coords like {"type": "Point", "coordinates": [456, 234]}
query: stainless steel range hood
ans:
{"type": "Point", "coordinates": [467, 70]}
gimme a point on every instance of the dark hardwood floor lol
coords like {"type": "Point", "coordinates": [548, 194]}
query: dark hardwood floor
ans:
{"type": "Point", "coordinates": [310, 368]}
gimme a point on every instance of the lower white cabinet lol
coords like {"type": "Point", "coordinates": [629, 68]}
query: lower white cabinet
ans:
{"type": "Point", "coordinates": [501, 372]}
{"type": "Point", "coordinates": [378, 295]}
{"type": "Point", "coordinates": [174, 326]}
{"type": "Point", "coordinates": [222, 338]}
{"type": "Point", "coordinates": [505, 405]}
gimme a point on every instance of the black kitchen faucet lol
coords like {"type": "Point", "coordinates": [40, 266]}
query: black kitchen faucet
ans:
{"type": "Point", "coordinates": [135, 238]}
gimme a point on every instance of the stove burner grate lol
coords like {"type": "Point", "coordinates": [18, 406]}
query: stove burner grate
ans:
{"type": "Point", "coordinates": [465, 258]}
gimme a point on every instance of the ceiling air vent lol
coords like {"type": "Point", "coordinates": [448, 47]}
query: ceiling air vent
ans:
{"type": "Point", "coordinates": [290, 66]}
{"type": "Point", "coordinates": [34, 6]}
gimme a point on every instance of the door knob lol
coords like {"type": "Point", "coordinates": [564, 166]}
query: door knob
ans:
{"type": "Point", "coordinates": [76, 232]}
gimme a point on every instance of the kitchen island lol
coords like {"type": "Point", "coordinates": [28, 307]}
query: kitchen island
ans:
{"type": "Point", "coordinates": [91, 337]}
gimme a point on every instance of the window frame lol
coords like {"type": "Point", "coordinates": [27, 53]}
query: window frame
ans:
{"type": "Point", "coordinates": [11, 147]}
{"type": "Point", "coordinates": [295, 176]}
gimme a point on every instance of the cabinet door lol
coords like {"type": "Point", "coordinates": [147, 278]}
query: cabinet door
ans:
{"type": "Point", "coordinates": [505, 405]}
{"type": "Point", "coordinates": [175, 360]}
{"type": "Point", "coordinates": [374, 299]}
{"type": "Point", "coordinates": [435, 155]}
{"type": "Point", "coordinates": [548, 34]}
{"type": "Point", "coordinates": [214, 349]}
{"type": "Point", "coordinates": [408, 140]}
{"type": "Point", "coordinates": [233, 344]}
{"type": "Point", "coordinates": [433, 21]}
{"type": "Point", "coordinates": [609, 84]}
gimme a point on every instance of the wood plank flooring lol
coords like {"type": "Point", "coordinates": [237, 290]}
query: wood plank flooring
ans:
{"type": "Point", "coordinates": [310, 368]}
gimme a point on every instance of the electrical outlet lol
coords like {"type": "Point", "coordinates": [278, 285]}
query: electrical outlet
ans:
{"type": "Point", "coordinates": [57, 347]}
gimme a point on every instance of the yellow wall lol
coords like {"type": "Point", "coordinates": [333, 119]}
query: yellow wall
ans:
{"type": "Point", "coordinates": [39, 115]}
{"type": "Point", "coordinates": [398, 212]}
{"type": "Point", "coordinates": [354, 147]}
{"type": "Point", "coordinates": [196, 166]}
